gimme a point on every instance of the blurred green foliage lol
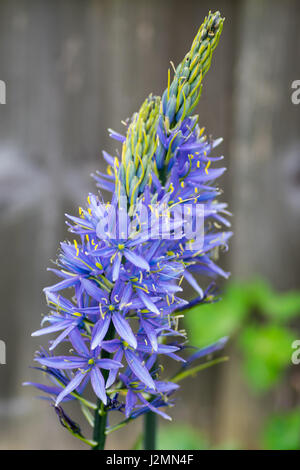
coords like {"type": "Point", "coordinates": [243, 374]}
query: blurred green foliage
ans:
{"type": "Point", "coordinates": [282, 431]}
{"type": "Point", "coordinates": [260, 320]}
{"type": "Point", "coordinates": [262, 324]}
{"type": "Point", "coordinates": [266, 354]}
{"type": "Point", "coordinates": [181, 437]}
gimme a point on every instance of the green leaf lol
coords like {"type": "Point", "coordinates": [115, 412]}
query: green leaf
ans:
{"type": "Point", "coordinates": [284, 306]}
{"type": "Point", "coordinates": [267, 352]}
{"type": "Point", "coordinates": [207, 323]}
{"type": "Point", "coordinates": [257, 292]}
{"type": "Point", "coordinates": [280, 306]}
{"type": "Point", "coordinates": [282, 431]}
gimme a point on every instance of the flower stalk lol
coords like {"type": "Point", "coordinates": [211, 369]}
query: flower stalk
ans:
{"type": "Point", "coordinates": [150, 431]}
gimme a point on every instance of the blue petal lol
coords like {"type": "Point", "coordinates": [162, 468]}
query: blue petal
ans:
{"type": "Point", "coordinates": [113, 372]}
{"type": "Point", "coordinates": [62, 362]}
{"type": "Point", "coordinates": [207, 350]}
{"type": "Point", "coordinates": [70, 387]}
{"type": "Point", "coordinates": [116, 135]}
{"type": "Point", "coordinates": [57, 326]}
{"type": "Point", "coordinates": [98, 384]}
{"type": "Point", "coordinates": [152, 408]}
{"type": "Point", "coordinates": [136, 260]}
{"type": "Point", "coordinates": [80, 222]}
{"type": "Point", "coordinates": [100, 330]}
{"type": "Point", "coordinates": [111, 345]}
{"type": "Point", "coordinates": [108, 158]}
{"type": "Point", "coordinates": [166, 387]}
{"type": "Point", "coordinates": [106, 252]}
{"type": "Point", "coordinates": [63, 284]}
{"type": "Point", "coordinates": [192, 281]}
{"type": "Point", "coordinates": [150, 332]}
{"type": "Point", "coordinates": [123, 328]}
{"type": "Point", "coordinates": [44, 388]}
{"type": "Point", "coordinates": [62, 336]}
{"type": "Point", "coordinates": [148, 302]}
{"type": "Point", "coordinates": [59, 301]}
{"type": "Point", "coordinates": [78, 343]}
{"type": "Point", "coordinates": [108, 364]}
{"type": "Point", "coordinates": [138, 369]}
{"type": "Point", "coordinates": [116, 267]}
{"type": "Point", "coordinates": [131, 400]}
{"type": "Point", "coordinates": [94, 291]}
{"type": "Point", "coordinates": [126, 295]}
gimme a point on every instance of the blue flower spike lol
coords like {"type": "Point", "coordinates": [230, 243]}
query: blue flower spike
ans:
{"type": "Point", "coordinates": [115, 310]}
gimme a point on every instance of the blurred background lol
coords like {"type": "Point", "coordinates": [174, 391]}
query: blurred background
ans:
{"type": "Point", "coordinates": [74, 68]}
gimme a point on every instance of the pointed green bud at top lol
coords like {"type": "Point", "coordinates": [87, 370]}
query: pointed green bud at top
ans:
{"type": "Point", "coordinates": [183, 94]}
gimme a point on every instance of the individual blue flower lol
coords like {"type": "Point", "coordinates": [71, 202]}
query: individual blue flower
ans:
{"type": "Point", "coordinates": [66, 318]}
{"type": "Point", "coordinates": [88, 365]}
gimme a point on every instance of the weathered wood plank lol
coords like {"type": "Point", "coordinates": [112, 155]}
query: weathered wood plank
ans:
{"type": "Point", "coordinates": [265, 162]}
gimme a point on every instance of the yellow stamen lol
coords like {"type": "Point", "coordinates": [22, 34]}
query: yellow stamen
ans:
{"type": "Point", "coordinates": [207, 166]}
{"type": "Point", "coordinates": [76, 246]}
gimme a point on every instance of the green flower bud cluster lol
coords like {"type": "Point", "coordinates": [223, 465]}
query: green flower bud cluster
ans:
{"type": "Point", "coordinates": [138, 150]}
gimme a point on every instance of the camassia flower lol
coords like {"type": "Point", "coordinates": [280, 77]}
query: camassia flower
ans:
{"type": "Point", "coordinates": [87, 364]}
{"type": "Point", "coordinates": [119, 298]}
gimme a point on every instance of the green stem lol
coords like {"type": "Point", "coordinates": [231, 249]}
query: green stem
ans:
{"type": "Point", "coordinates": [186, 373]}
{"type": "Point", "coordinates": [99, 435]}
{"type": "Point", "coordinates": [150, 425]}
{"type": "Point", "coordinates": [117, 426]}
{"type": "Point", "coordinates": [99, 426]}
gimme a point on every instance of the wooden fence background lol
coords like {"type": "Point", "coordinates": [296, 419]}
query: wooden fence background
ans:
{"type": "Point", "coordinates": [75, 68]}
